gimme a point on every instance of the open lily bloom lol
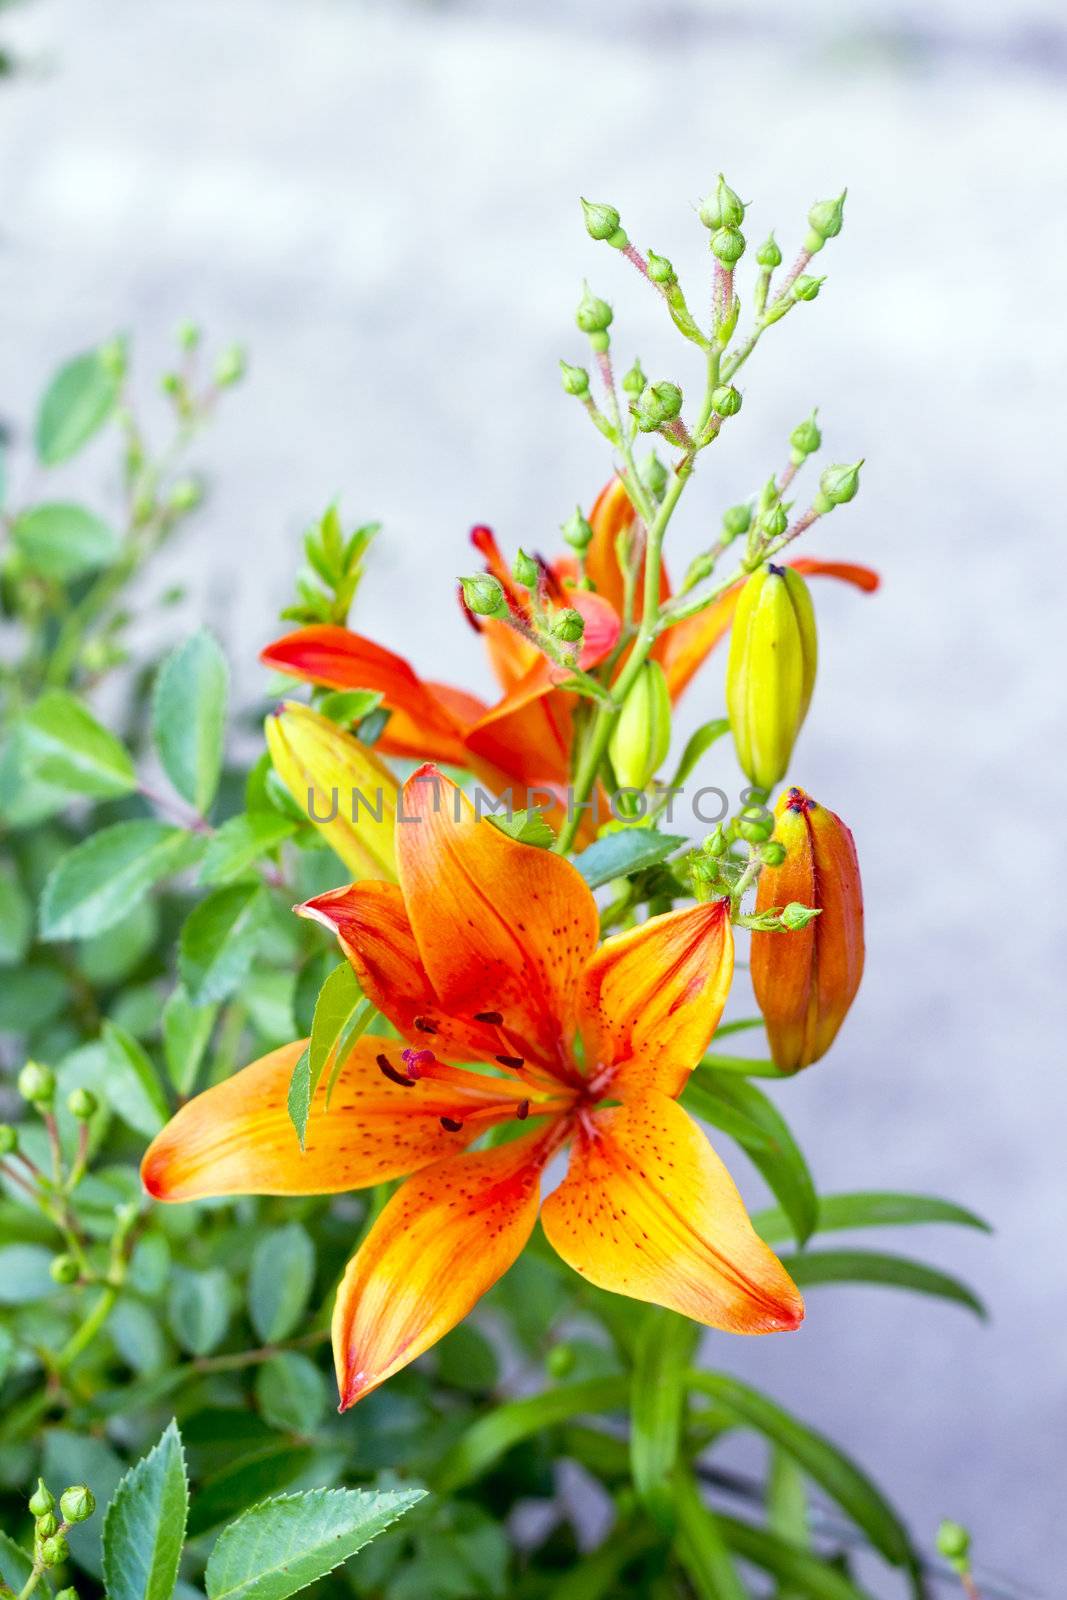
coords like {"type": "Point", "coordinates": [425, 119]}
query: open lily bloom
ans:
{"type": "Point", "coordinates": [524, 740]}
{"type": "Point", "coordinates": [485, 959]}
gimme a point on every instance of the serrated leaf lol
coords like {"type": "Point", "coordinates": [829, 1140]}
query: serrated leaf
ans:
{"type": "Point", "coordinates": [871, 1209]}
{"type": "Point", "coordinates": [628, 850]}
{"type": "Point", "coordinates": [15, 1564]}
{"type": "Point", "coordinates": [91, 888]}
{"type": "Point", "coordinates": [199, 1309]}
{"type": "Point", "coordinates": [875, 1267]}
{"type": "Point", "coordinates": [189, 717]}
{"type": "Point", "coordinates": [186, 1031]}
{"type": "Point", "coordinates": [66, 746]}
{"type": "Point", "coordinates": [144, 1529]}
{"type": "Point", "coordinates": [76, 404]}
{"type": "Point", "coordinates": [240, 842]}
{"type": "Point", "coordinates": [736, 1105]}
{"type": "Point", "coordinates": [280, 1280]}
{"type": "Point", "coordinates": [526, 827]}
{"type": "Point", "coordinates": [285, 1544]}
{"type": "Point", "coordinates": [133, 1086]}
{"type": "Point", "coordinates": [63, 541]}
{"type": "Point", "coordinates": [219, 940]}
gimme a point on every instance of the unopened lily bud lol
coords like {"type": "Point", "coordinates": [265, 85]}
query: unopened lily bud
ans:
{"type": "Point", "coordinates": [603, 222]}
{"type": "Point", "coordinates": [593, 315]}
{"type": "Point", "coordinates": [37, 1083]}
{"type": "Point", "coordinates": [825, 220]}
{"type": "Point", "coordinates": [575, 379]}
{"type": "Point", "coordinates": [641, 737]}
{"type": "Point", "coordinates": [64, 1269]}
{"type": "Point", "coordinates": [806, 287]}
{"type": "Point", "coordinates": [635, 381]}
{"type": "Point", "coordinates": [723, 208]}
{"type": "Point", "coordinates": [772, 854]}
{"type": "Point", "coordinates": [736, 520]}
{"type": "Point", "coordinates": [231, 366]}
{"type": "Point", "coordinates": [755, 824]}
{"type": "Point", "coordinates": [54, 1551]}
{"type": "Point", "coordinates": [805, 439]}
{"type": "Point", "coordinates": [660, 270]}
{"type": "Point", "coordinates": [526, 570]}
{"type": "Point", "coordinates": [77, 1503]}
{"type": "Point", "coordinates": [775, 520]}
{"type": "Point", "coordinates": [654, 475]}
{"type": "Point", "coordinates": [770, 672]}
{"type": "Point", "coordinates": [726, 401]}
{"type": "Point", "coordinates": [41, 1500]}
{"type": "Point", "coordinates": [837, 486]}
{"type": "Point", "coordinates": [577, 530]}
{"type": "Point", "coordinates": [339, 784]}
{"type": "Point", "coordinates": [484, 595]}
{"type": "Point", "coordinates": [82, 1104]}
{"type": "Point", "coordinates": [806, 979]}
{"type": "Point", "coordinates": [568, 626]}
{"type": "Point", "coordinates": [717, 843]}
{"type": "Point", "coordinates": [769, 254]}
{"type": "Point", "coordinates": [954, 1543]}
{"type": "Point", "coordinates": [728, 246]}
{"type": "Point", "coordinates": [9, 1140]}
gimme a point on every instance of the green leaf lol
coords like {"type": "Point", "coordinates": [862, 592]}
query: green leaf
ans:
{"type": "Point", "coordinates": [869, 1266]}
{"type": "Point", "coordinates": [744, 1066]}
{"type": "Point", "coordinates": [280, 1281]}
{"type": "Point", "coordinates": [251, 1479]}
{"type": "Point", "coordinates": [699, 744]}
{"type": "Point", "coordinates": [803, 1573]}
{"type": "Point", "coordinates": [663, 1351]}
{"type": "Point", "coordinates": [627, 850]}
{"type": "Point", "coordinates": [525, 827]}
{"type": "Point", "coordinates": [346, 706]}
{"type": "Point", "coordinates": [63, 541]}
{"type": "Point", "coordinates": [110, 957]}
{"type": "Point", "coordinates": [24, 1274]}
{"type": "Point", "coordinates": [67, 747]}
{"type": "Point", "coordinates": [133, 1086]}
{"type": "Point", "coordinates": [219, 940]}
{"type": "Point", "coordinates": [870, 1209]}
{"type": "Point", "coordinates": [76, 404]}
{"type": "Point", "coordinates": [189, 717]}
{"type": "Point", "coordinates": [137, 1336]}
{"type": "Point", "coordinates": [186, 1032]}
{"type": "Point", "coordinates": [199, 1309]}
{"type": "Point", "coordinates": [486, 1440]}
{"type": "Point", "coordinates": [341, 1016]}
{"type": "Point", "coordinates": [744, 1112]}
{"type": "Point", "coordinates": [701, 1547]}
{"type": "Point", "coordinates": [291, 1393]}
{"type": "Point", "coordinates": [285, 1544]}
{"type": "Point", "coordinates": [91, 888]}
{"type": "Point", "coordinates": [840, 1477]}
{"type": "Point", "coordinates": [738, 1025]}
{"type": "Point", "coordinates": [145, 1525]}
{"type": "Point", "coordinates": [241, 841]}
{"type": "Point", "coordinates": [15, 1564]}
{"type": "Point", "coordinates": [16, 919]}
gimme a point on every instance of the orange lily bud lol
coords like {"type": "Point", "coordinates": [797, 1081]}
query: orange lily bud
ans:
{"type": "Point", "coordinates": [770, 673]}
{"type": "Point", "coordinates": [806, 979]}
{"type": "Point", "coordinates": [345, 790]}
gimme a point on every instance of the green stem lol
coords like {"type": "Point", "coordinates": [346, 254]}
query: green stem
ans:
{"type": "Point", "coordinates": [83, 1336]}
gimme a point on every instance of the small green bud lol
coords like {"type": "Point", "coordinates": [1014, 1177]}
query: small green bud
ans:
{"type": "Point", "coordinates": [82, 1104]}
{"type": "Point", "coordinates": [769, 255]}
{"type": "Point", "coordinates": [837, 486]}
{"type": "Point", "coordinates": [593, 315]}
{"type": "Point", "coordinates": [231, 366]}
{"type": "Point", "coordinates": [112, 357]}
{"type": "Point", "coordinates": [635, 381]}
{"type": "Point", "coordinates": [659, 403]}
{"type": "Point", "coordinates": [795, 916]}
{"type": "Point", "coordinates": [575, 379]}
{"type": "Point", "coordinates": [660, 270]}
{"type": "Point", "coordinates": [526, 570]}
{"type": "Point", "coordinates": [559, 1363]}
{"type": "Point", "coordinates": [67, 1594]}
{"type": "Point", "coordinates": [64, 1269]}
{"type": "Point", "coordinates": [577, 531]}
{"type": "Point", "coordinates": [807, 287]}
{"type": "Point", "coordinates": [723, 208]}
{"type": "Point", "coordinates": [773, 853]}
{"type": "Point", "coordinates": [9, 1139]}
{"type": "Point", "coordinates": [46, 1525]}
{"type": "Point", "coordinates": [37, 1083]}
{"type": "Point", "coordinates": [185, 495]}
{"type": "Point", "coordinates": [699, 568]}
{"type": "Point", "coordinates": [954, 1543]}
{"type": "Point", "coordinates": [54, 1551]}
{"type": "Point", "coordinates": [568, 626]}
{"type": "Point", "coordinates": [825, 219]}
{"type": "Point", "coordinates": [728, 245]}
{"type": "Point", "coordinates": [603, 222]}
{"type": "Point", "coordinates": [736, 520]}
{"type": "Point", "coordinates": [654, 475]}
{"type": "Point", "coordinates": [755, 824]}
{"type": "Point", "coordinates": [726, 401]}
{"type": "Point", "coordinates": [41, 1500]}
{"type": "Point", "coordinates": [776, 520]}
{"type": "Point", "coordinates": [171, 383]}
{"type": "Point", "coordinates": [717, 843]}
{"type": "Point", "coordinates": [805, 439]}
{"type": "Point", "coordinates": [77, 1503]}
{"type": "Point", "coordinates": [188, 335]}
{"type": "Point", "coordinates": [484, 595]}
{"type": "Point", "coordinates": [668, 398]}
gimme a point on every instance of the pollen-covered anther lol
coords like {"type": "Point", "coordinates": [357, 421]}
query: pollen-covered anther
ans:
{"type": "Point", "coordinates": [386, 1068]}
{"type": "Point", "coordinates": [511, 1061]}
{"type": "Point", "coordinates": [451, 1124]}
{"type": "Point", "coordinates": [493, 1018]}
{"type": "Point", "coordinates": [417, 1062]}
{"type": "Point", "coordinates": [425, 1025]}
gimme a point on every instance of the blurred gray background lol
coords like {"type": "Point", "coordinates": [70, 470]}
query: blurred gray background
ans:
{"type": "Point", "coordinates": [381, 200]}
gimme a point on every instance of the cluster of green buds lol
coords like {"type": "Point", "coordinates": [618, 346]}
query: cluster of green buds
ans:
{"type": "Point", "coordinates": [657, 406]}
{"type": "Point", "coordinates": [50, 1547]}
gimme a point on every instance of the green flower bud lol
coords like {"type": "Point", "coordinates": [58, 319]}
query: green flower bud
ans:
{"type": "Point", "coordinates": [77, 1503]}
{"type": "Point", "coordinates": [660, 269]}
{"type": "Point", "coordinates": [795, 916]}
{"type": "Point", "coordinates": [773, 853]}
{"type": "Point", "coordinates": [641, 736]}
{"type": "Point", "coordinates": [654, 475]}
{"type": "Point", "coordinates": [54, 1551]}
{"type": "Point", "coordinates": [559, 1363]}
{"type": "Point", "coordinates": [46, 1525]}
{"type": "Point", "coordinates": [82, 1103]}
{"type": "Point", "coordinates": [568, 626]}
{"type": "Point", "coordinates": [776, 520]}
{"type": "Point", "coordinates": [112, 357]}
{"type": "Point", "coordinates": [64, 1269]}
{"type": "Point", "coordinates": [593, 315]}
{"type": "Point", "coordinates": [185, 495]}
{"type": "Point", "coordinates": [825, 219]}
{"type": "Point", "coordinates": [9, 1139]}
{"type": "Point", "coordinates": [484, 595]}
{"type": "Point", "coordinates": [954, 1543]}
{"type": "Point", "coordinates": [723, 208]}
{"type": "Point", "coordinates": [769, 255]}
{"type": "Point", "coordinates": [668, 398]}
{"type": "Point", "coordinates": [526, 570]}
{"type": "Point", "coordinates": [576, 531]}
{"type": "Point", "coordinates": [726, 401]}
{"type": "Point", "coordinates": [807, 287]}
{"type": "Point", "coordinates": [755, 824]}
{"type": "Point", "coordinates": [67, 1594]}
{"type": "Point", "coordinates": [635, 381]}
{"type": "Point", "coordinates": [170, 383]}
{"type": "Point", "coordinates": [805, 439]}
{"type": "Point", "coordinates": [603, 222]}
{"type": "Point", "coordinates": [37, 1083]}
{"type": "Point", "coordinates": [41, 1500]}
{"type": "Point", "coordinates": [699, 568]}
{"type": "Point", "coordinates": [728, 245]}
{"type": "Point", "coordinates": [188, 335]}
{"type": "Point", "coordinates": [231, 366]}
{"type": "Point", "coordinates": [659, 403]}
{"type": "Point", "coordinates": [717, 843]}
{"type": "Point", "coordinates": [575, 379]}
{"type": "Point", "coordinates": [837, 486]}
{"type": "Point", "coordinates": [736, 520]}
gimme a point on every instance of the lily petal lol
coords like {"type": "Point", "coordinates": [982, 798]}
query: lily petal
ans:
{"type": "Point", "coordinates": [502, 927]}
{"type": "Point", "coordinates": [237, 1138]}
{"type": "Point", "coordinates": [443, 1240]}
{"type": "Point", "coordinates": [648, 1210]}
{"type": "Point", "coordinates": [652, 997]}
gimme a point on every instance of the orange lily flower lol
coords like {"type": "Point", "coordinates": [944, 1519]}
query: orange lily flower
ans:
{"type": "Point", "coordinates": [486, 952]}
{"type": "Point", "coordinates": [524, 740]}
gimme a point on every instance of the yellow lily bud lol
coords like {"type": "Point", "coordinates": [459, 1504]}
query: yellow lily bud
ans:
{"type": "Point", "coordinates": [342, 786]}
{"type": "Point", "coordinates": [642, 733]}
{"type": "Point", "coordinates": [770, 673]}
